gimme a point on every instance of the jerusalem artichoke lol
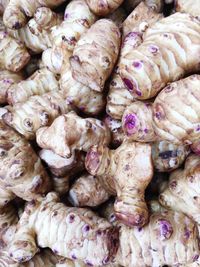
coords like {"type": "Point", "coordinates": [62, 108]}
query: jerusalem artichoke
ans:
{"type": "Point", "coordinates": [52, 224]}
{"type": "Point", "coordinates": [7, 79]}
{"type": "Point", "coordinates": [17, 11]}
{"type": "Point", "coordinates": [37, 111]}
{"type": "Point", "coordinates": [13, 54]}
{"type": "Point", "coordinates": [165, 120]}
{"type": "Point", "coordinates": [102, 8]}
{"type": "Point", "coordinates": [77, 20]}
{"type": "Point", "coordinates": [20, 175]}
{"type": "Point", "coordinates": [182, 193]}
{"type": "Point", "coordinates": [126, 172]}
{"type": "Point", "coordinates": [42, 81]}
{"type": "Point", "coordinates": [70, 132]}
{"type": "Point", "coordinates": [189, 6]}
{"type": "Point", "coordinates": [148, 68]}
{"type": "Point", "coordinates": [95, 54]}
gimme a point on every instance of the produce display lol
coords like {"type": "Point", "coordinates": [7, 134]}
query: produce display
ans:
{"type": "Point", "coordinates": [99, 133]}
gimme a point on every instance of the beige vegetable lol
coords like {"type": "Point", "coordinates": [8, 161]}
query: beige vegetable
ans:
{"type": "Point", "coordinates": [3, 4]}
{"type": "Point", "coordinates": [21, 175]}
{"type": "Point", "coordinates": [17, 11]}
{"type": "Point", "coordinates": [126, 172]}
{"type": "Point", "coordinates": [182, 193]}
{"type": "Point", "coordinates": [95, 54]}
{"type": "Point", "coordinates": [149, 68]}
{"type": "Point", "coordinates": [117, 134]}
{"type": "Point", "coordinates": [189, 6]}
{"type": "Point", "coordinates": [36, 37]}
{"type": "Point", "coordinates": [7, 79]}
{"type": "Point", "coordinates": [42, 81]}
{"type": "Point", "coordinates": [70, 132]}
{"type": "Point", "coordinates": [37, 111]}
{"type": "Point", "coordinates": [13, 54]}
{"type": "Point", "coordinates": [63, 224]}
{"type": "Point", "coordinates": [102, 8]}
{"type": "Point", "coordinates": [77, 20]}
{"type": "Point", "coordinates": [165, 120]}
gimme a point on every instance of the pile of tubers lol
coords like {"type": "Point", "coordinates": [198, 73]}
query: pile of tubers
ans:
{"type": "Point", "coordinates": [99, 133]}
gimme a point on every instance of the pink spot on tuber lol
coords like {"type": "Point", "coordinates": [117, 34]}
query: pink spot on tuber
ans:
{"type": "Point", "coordinates": [153, 49]}
{"type": "Point", "coordinates": [172, 185]}
{"type": "Point", "coordinates": [166, 229]}
{"type": "Point", "coordinates": [88, 263]}
{"type": "Point", "coordinates": [195, 258]}
{"type": "Point", "coordinates": [130, 123]}
{"type": "Point", "coordinates": [137, 64]}
{"type": "Point", "coordinates": [187, 233]}
{"type": "Point", "coordinates": [85, 228]}
{"type": "Point", "coordinates": [128, 84]}
{"type": "Point", "coordinates": [71, 218]}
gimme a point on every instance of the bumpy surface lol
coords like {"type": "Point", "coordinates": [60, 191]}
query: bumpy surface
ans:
{"type": "Point", "coordinates": [42, 81]}
{"type": "Point", "coordinates": [70, 132]}
{"type": "Point", "coordinates": [7, 79]}
{"type": "Point", "coordinates": [95, 54]}
{"type": "Point", "coordinates": [183, 193]}
{"type": "Point", "coordinates": [102, 8]}
{"type": "Point", "coordinates": [167, 156]}
{"type": "Point", "coordinates": [147, 69]}
{"type": "Point", "coordinates": [13, 54]}
{"type": "Point", "coordinates": [52, 224]}
{"type": "Point", "coordinates": [37, 111]}
{"type": "Point", "coordinates": [20, 175]}
{"type": "Point", "coordinates": [126, 171]}
{"type": "Point", "coordinates": [77, 20]}
{"type": "Point", "coordinates": [188, 6]}
{"type": "Point", "coordinates": [175, 124]}
{"type": "Point", "coordinates": [17, 11]}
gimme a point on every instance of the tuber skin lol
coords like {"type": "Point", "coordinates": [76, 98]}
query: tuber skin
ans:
{"type": "Point", "coordinates": [117, 134]}
{"type": "Point", "coordinates": [133, 29]}
{"type": "Point", "coordinates": [42, 81]}
{"type": "Point", "coordinates": [95, 54]}
{"type": "Point", "coordinates": [103, 8]}
{"type": "Point", "coordinates": [3, 5]}
{"type": "Point", "coordinates": [182, 193]}
{"type": "Point", "coordinates": [60, 166]}
{"type": "Point", "coordinates": [170, 238]}
{"type": "Point", "coordinates": [87, 191]}
{"type": "Point", "coordinates": [77, 20]}
{"type": "Point", "coordinates": [17, 11]}
{"type": "Point", "coordinates": [147, 69]}
{"type": "Point", "coordinates": [189, 6]}
{"type": "Point", "coordinates": [36, 112]}
{"type": "Point", "coordinates": [7, 79]}
{"type": "Point", "coordinates": [20, 175]}
{"type": "Point", "coordinates": [13, 54]}
{"type": "Point", "coordinates": [125, 172]}
{"type": "Point", "coordinates": [63, 224]}
{"type": "Point", "coordinates": [167, 156]}
{"type": "Point", "coordinates": [62, 140]}
{"type": "Point", "coordinates": [164, 119]}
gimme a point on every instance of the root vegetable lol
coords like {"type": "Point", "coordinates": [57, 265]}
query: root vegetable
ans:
{"type": "Point", "coordinates": [62, 140]}
{"type": "Point", "coordinates": [63, 224]}
{"type": "Point", "coordinates": [95, 54]}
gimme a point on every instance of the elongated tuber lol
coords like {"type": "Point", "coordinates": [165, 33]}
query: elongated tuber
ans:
{"type": "Point", "coordinates": [95, 54]}
{"type": "Point", "coordinates": [20, 175]}
{"type": "Point", "coordinates": [164, 120]}
{"type": "Point", "coordinates": [182, 193]}
{"type": "Point", "coordinates": [7, 79]}
{"type": "Point", "coordinates": [62, 225]}
{"type": "Point", "coordinates": [17, 11]}
{"type": "Point", "coordinates": [36, 112]}
{"type": "Point", "coordinates": [77, 20]}
{"type": "Point", "coordinates": [148, 69]}
{"type": "Point", "coordinates": [170, 238]}
{"type": "Point", "coordinates": [42, 81]}
{"type": "Point", "coordinates": [102, 8]}
{"type": "Point", "coordinates": [13, 54]}
{"type": "Point", "coordinates": [62, 140]}
{"type": "Point", "coordinates": [126, 171]}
